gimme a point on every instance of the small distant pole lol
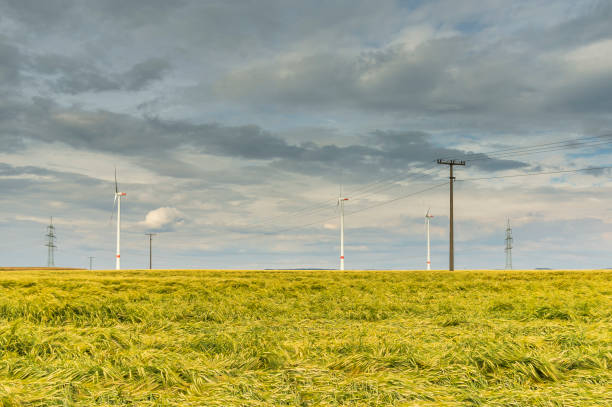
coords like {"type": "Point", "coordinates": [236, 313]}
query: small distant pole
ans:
{"type": "Point", "coordinates": [51, 237]}
{"type": "Point", "coordinates": [150, 249]}
{"type": "Point", "coordinates": [341, 201]}
{"type": "Point", "coordinates": [428, 217]}
{"type": "Point", "coordinates": [91, 262]}
{"type": "Point", "coordinates": [509, 241]}
{"type": "Point", "coordinates": [451, 251]}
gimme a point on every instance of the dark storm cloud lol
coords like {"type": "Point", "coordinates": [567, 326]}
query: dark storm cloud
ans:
{"type": "Point", "coordinates": [225, 27]}
{"type": "Point", "coordinates": [386, 79]}
{"type": "Point", "coordinates": [9, 170]}
{"type": "Point", "coordinates": [504, 81]}
{"type": "Point", "coordinates": [588, 95]}
{"type": "Point", "coordinates": [137, 12]}
{"type": "Point", "coordinates": [123, 134]}
{"type": "Point", "coordinates": [158, 143]}
{"type": "Point", "coordinates": [33, 184]}
{"type": "Point", "coordinates": [73, 76]}
{"type": "Point", "coordinates": [36, 182]}
{"type": "Point", "coordinates": [144, 73]}
{"type": "Point", "coordinates": [388, 152]}
{"type": "Point", "coordinates": [250, 142]}
{"type": "Point", "coordinates": [37, 13]}
{"type": "Point", "coordinates": [439, 76]}
{"type": "Point", "coordinates": [584, 29]}
{"type": "Point", "coordinates": [469, 74]}
{"type": "Point", "coordinates": [11, 132]}
{"type": "Point", "coordinates": [79, 79]}
{"type": "Point", "coordinates": [417, 146]}
{"type": "Point", "coordinates": [52, 15]}
{"type": "Point", "coordinates": [10, 64]}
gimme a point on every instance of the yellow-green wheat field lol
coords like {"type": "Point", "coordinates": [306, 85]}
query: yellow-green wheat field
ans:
{"type": "Point", "coordinates": [305, 338]}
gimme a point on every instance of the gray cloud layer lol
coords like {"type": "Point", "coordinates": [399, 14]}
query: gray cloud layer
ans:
{"type": "Point", "coordinates": [155, 138]}
{"type": "Point", "coordinates": [448, 76]}
{"type": "Point", "coordinates": [68, 75]}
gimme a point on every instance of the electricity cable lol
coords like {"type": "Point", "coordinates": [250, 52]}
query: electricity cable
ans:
{"type": "Point", "coordinates": [536, 173]}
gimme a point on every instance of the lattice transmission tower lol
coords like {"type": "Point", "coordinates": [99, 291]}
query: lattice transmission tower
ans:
{"type": "Point", "coordinates": [51, 237]}
{"type": "Point", "coordinates": [509, 241]}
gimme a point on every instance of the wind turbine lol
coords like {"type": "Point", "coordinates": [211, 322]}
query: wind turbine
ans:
{"type": "Point", "coordinates": [341, 201]}
{"type": "Point", "coordinates": [428, 216]}
{"type": "Point", "coordinates": [117, 202]}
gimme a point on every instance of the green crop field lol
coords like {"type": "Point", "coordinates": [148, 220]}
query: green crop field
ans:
{"type": "Point", "coordinates": [306, 338]}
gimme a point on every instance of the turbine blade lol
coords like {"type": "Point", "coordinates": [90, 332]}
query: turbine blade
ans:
{"type": "Point", "coordinates": [116, 186]}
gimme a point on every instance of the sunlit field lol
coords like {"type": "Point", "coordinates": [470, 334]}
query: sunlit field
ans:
{"type": "Point", "coordinates": [318, 338]}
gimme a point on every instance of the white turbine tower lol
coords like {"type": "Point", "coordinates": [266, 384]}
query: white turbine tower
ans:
{"type": "Point", "coordinates": [341, 201]}
{"type": "Point", "coordinates": [428, 217]}
{"type": "Point", "coordinates": [117, 202]}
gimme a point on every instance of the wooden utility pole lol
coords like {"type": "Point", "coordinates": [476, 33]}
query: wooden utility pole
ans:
{"type": "Point", "coordinates": [451, 249]}
{"type": "Point", "coordinates": [150, 249]}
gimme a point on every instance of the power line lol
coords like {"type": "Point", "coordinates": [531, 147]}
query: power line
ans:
{"type": "Point", "coordinates": [393, 183]}
{"type": "Point", "coordinates": [508, 153]}
{"type": "Point", "coordinates": [326, 205]}
{"type": "Point", "coordinates": [538, 173]}
{"type": "Point", "coordinates": [349, 213]}
{"type": "Point", "coordinates": [310, 211]}
{"type": "Point", "coordinates": [301, 226]}
{"type": "Point", "coordinates": [437, 186]}
{"type": "Point", "coordinates": [571, 143]}
{"type": "Point", "coordinates": [418, 192]}
{"type": "Point", "coordinates": [522, 151]}
{"type": "Point", "coordinates": [304, 211]}
{"type": "Point", "coordinates": [369, 188]}
{"type": "Point", "coordinates": [366, 208]}
{"type": "Point", "coordinates": [508, 156]}
{"type": "Point", "coordinates": [381, 185]}
{"type": "Point", "coordinates": [398, 198]}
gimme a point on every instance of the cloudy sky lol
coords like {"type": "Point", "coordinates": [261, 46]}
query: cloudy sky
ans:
{"type": "Point", "coordinates": [234, 124]}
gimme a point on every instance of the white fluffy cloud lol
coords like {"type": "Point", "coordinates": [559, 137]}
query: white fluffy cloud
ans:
{"type": "Point", "coordinates": [163, 218]}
